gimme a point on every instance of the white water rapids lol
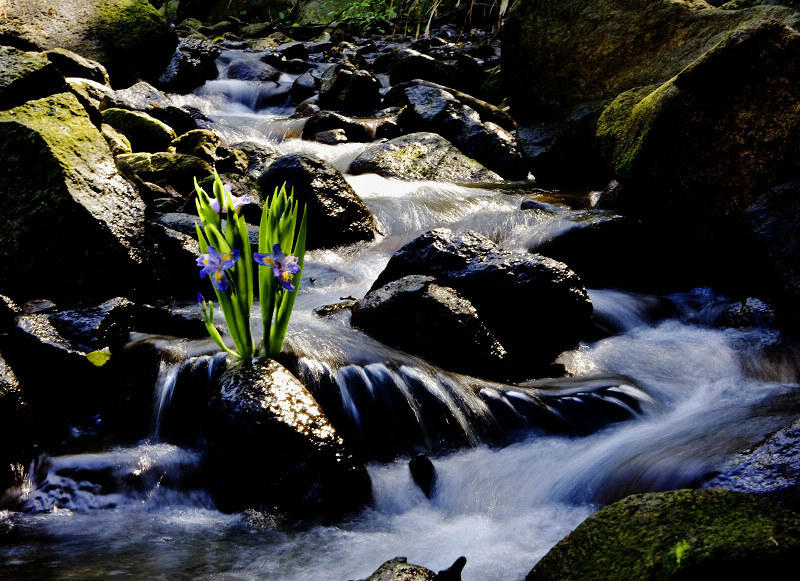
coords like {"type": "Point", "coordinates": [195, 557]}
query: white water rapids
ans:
{"type": "Point", "coordinates": [502, 508]}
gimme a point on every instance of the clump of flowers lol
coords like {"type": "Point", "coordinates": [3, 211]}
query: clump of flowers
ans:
{"type": "Point", "coordinates": [227, 260]}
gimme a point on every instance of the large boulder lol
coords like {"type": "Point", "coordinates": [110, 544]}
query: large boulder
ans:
{"type": "Point", "coordinates": [715, 135]}
{"type": "Point", "coordinates": [192, 64]}
{"type": "Point", "coordinates": [70, 64]}
{"type": "Point", "coordinates": [430, 107]}
{"type": "Point", "coordinates": [268, 435]}
{"type": "Point", "coordinates": [26, 75]}
{"type": "Point", "coordinates": [145, 133]}
{"type": "Point", "coordinates": [344, 87]}
{"type": "Point", "coordinates": [68, 214]}
{"type": "Point", "coordinates": [461, 71]}
{"type": "Point", "coordinates": [421, 156]}
{"type": "Point", "coordinates": [177, 170]}
{"type": "Point", "coordinates": [551, 309]}
{"type": "Point", "coordinates": [146, 98]}
{"type": "Point", "coordinates": [557, 53]}
{"type": "Point", "coordinates": [128, 37]}
{"type": "Point", "coordinates": [682, 534]}
{"type": "Point", "coordinates": [336, 215]}
{"type": "Point", "coordinates": [419, 316]}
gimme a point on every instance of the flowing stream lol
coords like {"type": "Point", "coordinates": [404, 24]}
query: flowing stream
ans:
{"type": "Point", "coordinates": [692, 395]}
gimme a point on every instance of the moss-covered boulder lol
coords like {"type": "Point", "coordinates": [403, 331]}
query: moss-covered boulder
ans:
{"type": "Point", "coordinates": [129, 37]}
{"type": "Point", "coordinates": [70, 221]}
{"type": "Point", "coordinates": [557, 53]}
{"type": "Point", "coordinates": [145, 133]}
{"type": "Point", "coordinates": [421, 156]}
{"type": "Point", "coordinates": [201, 143]}
{"type": "Point", "coordinates": [177, 170]}
{"type": "Point", "coordinates": [716, 134]}
{"type": "Point", "coordinates": [683, 534]}
{"type": "Point", "coordinates": [26, 75]}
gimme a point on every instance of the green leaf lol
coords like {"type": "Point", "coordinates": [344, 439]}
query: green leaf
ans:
{"type": "Point", "coordinates": [99, 358]}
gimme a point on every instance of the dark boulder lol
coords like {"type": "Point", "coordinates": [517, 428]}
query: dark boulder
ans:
{"type": "Point", "coordinates": [421, 156]}
{"type": "Point", "coordinates": [419, 316]}
{"type": "Point", "coordinates": [259, 156]}
{"type": "Point", "coordinates": [399, 569]}
{"type": "Point", "coordinates": [25, 76]}
{"type": "Point", "coordinates": [429, 108]}
{"type": "Point", "coordinates": [717, 134]}
{"type": "Point", "coordinates": [423, 473]}
{"type": "Point", "coordinates": [683, 534]}
{"type": "Point", "coordinates": [343, 87]}
{"type": "Point", "coordinates": [557, 55]}
{"type": "Point", "coordinates": [459, 71]}
{"type": "Point", "coordinates": [551, 307]}
{"type": "Point", "coordinates": [85, 212]}
{"type": "Point", "coordinates": [303, 87]}
{"type": "Point", "coordinates": [336, 215]}
{"type": "Point", "coordinates": [146, 98]}
{"type": "Point", "coordinates": [269, 436]}
{"type": "Point", "coordinates": [192, 64]}
{"type": "Point", "coordinates": [105, 325]}
{"type": "Point", "coordinates": [252, 70]}
{"type": "Point", "coordinates": [129, 37]}
{"type": "Point", "coordinates": [354, 129]}
{"type": "Point", "coordinates": [15, 433]}
{"type": "Point", "coordinates": [70, 64]}
{"type": "Point", "coordinates": [293, 50]}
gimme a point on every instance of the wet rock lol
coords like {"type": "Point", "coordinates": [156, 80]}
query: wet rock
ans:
{"type": "Point", "coordinates": [421, 156]}
{"type": "Point", "coordinates": [147, 99]}
{"type": "Point", "coordinates": [168, 321]}
{"type": "Point", "coordinates": [399, 569]}
{"type": "Point", "coordinates": [346, 88]}
{"type": "Point", "coordinates": [293, 50]}
{"type": "Point", "coordinates": [171, 267]}
{"type": "Point", "coordinates": [192, 64]}
{"type": "Point", "coordinates": [333, 309]}
{"type": "Point", "coordinates": [105, 325]}
{"type": "Point", "coordinates": [423, 473]}
{"type": "Point", "coordinates": [771, 470]}
{"type": "Point", "coordinates": [252, 70]}
{"type": "Point", "coordinates": [15, 433]}
{"type": "Point", "coordinates": [259, 156]}
{"type": "Point", "coordinates": [717, 134]}
{"type": "Point", "coordinates": [550, 305]}
{"type": "Point", "coordinates": [145, 133]}
{"type": "Point", "coordinates": [460, 72]}
{"type": "Point", "coordinates": [427, 108]}
{"type": "Point", "coordinates": [354, 129]}
{"type": "Point", "coordinates": [177, 170]}
{"type": "Point", "coordinates": [200, 143]}
{"type": "Point", "coordinates": [613, 47]}
{"type": "Point", "coordinates": [9, 310]}
{"type": "Point", "coordinates": [436, 322]}
{"type": "Point", "coordinates": [70, 64]}
{"type": "Point", "coordinates": [61, 160]}
{"type": "Point", "coordinates": [331, 137]}
{"type": "Point", "coordinates": [231, 161]}
{"type": "Point", "coordinates": [311, 474]}
{"type": "Point", "coordinates": [336, 215]}
{"type": "Point", "coordinates": [128, 37]}
{"type": "Point", "coordinates": [682, 534]}
{"type": "Point", "coordinates": [25, 76]}
{"type": "Point", "coordinates": [304, 87]}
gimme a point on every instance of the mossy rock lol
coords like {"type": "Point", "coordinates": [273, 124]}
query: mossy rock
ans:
{"type": "Point", "coordinates": [201, 143]}
{"type": "Point", "coordinates": [145, 133]}
{"type": "Point", "coordinates": [129, 37]}
{"type": "Point", "coordinates": [717, 134]}
{"type": "Point", "coordinates": [175, 169]}
{"type": "Point", "coordinates": [421, 156]}
{"type": "Point", "coordinates": [558, 53]}
{"type": "Point", "coordinates": [68, 216]}
{"type": "Point", "coordinates": [117, 142]}
{"type": "Point", "coordinates": [26, 75]}
{"type": "Point", "coordinates": [682, 534]}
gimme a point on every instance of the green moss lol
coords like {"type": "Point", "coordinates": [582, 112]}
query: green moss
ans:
{"type": "Point", "coordinates": [614, 119]}
{"type": "Point", "coordinates": [684, 534]}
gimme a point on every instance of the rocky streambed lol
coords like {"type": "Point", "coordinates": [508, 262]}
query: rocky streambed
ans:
{"type": "Point", "coordinates": [501, 328]}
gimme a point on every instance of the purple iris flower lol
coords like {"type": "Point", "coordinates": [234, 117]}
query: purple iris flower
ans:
{"type": "Point", "coordinates": [213, 264]}
{"type": "Point", "coordinates": [237, 202]}
{"type": "Point", "coordinates": [283, 265]}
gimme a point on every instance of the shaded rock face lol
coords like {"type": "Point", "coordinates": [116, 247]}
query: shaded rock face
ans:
{"type": "Point", "coordinates": [174, 169]}
{"type": "Point", "coordinates": [17, 448]}
{"type": "Point", "coordinates": [354, 129]}
{"type": "Point", "coordinates": [128, 37]}
{"type": "Point", "coordinates": [70, 64]}
{"type": "Point", "coordinates": [419, 316]}
{"type": "Point", "coordinates": [460, 72]}
{"type": "Point", "coordinates": [310, 473]}
{"type": "Point", "coordinates": [683, 534]}
{"type": "Point", "coordinates": [25, 76]}
{"type": "Point", "coordinates": [191, 65]}
{"type": "Point", "coordinates": [107, 324]}
{"type": "Point", "coordinates": [345, 88]}
{"type": "Point", "coordinates": [421, 156]}
{"type": "Point", "coordinates": [336, 215]}
{"type": "Point", "coordinates": [560, 53]}
{"type": "Point", "coordinates": [550, 305]}
{"type": "Point", "coordinates": [145, 133]}
{"type": "Point", "coordinates": [715, 135]}
{"type": "Point", "coordinates": [431, 108]}
{"type": "Point", "coordinates": [772, 470]}
{"type": "Point", "coordinates": [65, 193]}
{"type": "Point", "coordinates": [146, 98]}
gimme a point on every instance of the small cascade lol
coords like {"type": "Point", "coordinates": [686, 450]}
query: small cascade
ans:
{"type": "Point", "coordinates": [162, 395]}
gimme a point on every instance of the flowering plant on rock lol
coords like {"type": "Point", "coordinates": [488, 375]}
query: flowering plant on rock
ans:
{"type": "Point", "coordinates": [227, 260]}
